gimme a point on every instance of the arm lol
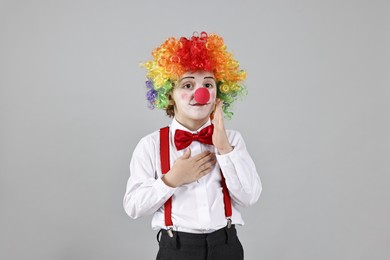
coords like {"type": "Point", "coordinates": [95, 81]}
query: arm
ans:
{"type": "Point", "coordinates": [240, 172]}
{"type": "Point", "coordinates": [145, 192]}
{"type": "Point", "coordinates": [236, 164]}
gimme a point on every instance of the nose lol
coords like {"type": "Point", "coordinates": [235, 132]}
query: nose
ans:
{"type": "Point", "coordinates": [202, 95]}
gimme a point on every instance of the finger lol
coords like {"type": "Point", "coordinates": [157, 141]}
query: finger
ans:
{"type": "Point", "coordinates": [217, 107]}
{"type": "Point", "coordinates": [210, 165]}
{"type": "Point", "coordinates": [215, 112]}
{"type": "Point", "coordinates": [218, 113]}
{"type": "Point", "coordinates": [206, 168]}
{"type": "Point", "coordinates": [210, 158]}
{"type": "Point", "coordinates": [205, 159]}
{"type": "Point", "coordinates": [214, 107]}
{"type": "Point", "coordinates": [186, 154]}
{"type": "Point", "coordinates": [202, 174]}
{"type": "Point", "coordinates": [200, 156]}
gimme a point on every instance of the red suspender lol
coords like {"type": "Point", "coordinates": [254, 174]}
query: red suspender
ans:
{"type": "Point", "coordinates": [226, 199]}
{"type": "Point", "coordinates": [165, 167]}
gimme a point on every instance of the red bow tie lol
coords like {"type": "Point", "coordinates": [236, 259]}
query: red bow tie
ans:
{"type": "Point", "coordinates": [183, 138]}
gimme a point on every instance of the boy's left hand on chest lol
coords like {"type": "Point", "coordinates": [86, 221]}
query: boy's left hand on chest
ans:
{"type": "Point", "coordinates": [220, 139]}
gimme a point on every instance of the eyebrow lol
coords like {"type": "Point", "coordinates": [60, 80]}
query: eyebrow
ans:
{"type": "Point", "coordinates": [210, 78]}
{"type": "Point", "coordinates": [191, 77]}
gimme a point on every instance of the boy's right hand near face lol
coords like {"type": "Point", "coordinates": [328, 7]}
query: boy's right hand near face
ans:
{"type": "Point", "coordinates": [188, 169]}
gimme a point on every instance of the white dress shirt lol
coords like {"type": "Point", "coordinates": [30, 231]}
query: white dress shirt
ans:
{"type": "Point", "coordinates": [197, 207]}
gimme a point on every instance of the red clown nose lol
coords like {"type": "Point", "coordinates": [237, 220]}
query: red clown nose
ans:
{"type": "Point", "coordinates": [202, 96]}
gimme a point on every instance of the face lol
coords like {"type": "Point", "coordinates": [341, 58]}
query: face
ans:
{"type": "Point", "coordinates": [187, 109]}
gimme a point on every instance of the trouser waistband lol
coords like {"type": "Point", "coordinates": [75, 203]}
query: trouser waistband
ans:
{"type": "Point", "coordinates": [221, 236]}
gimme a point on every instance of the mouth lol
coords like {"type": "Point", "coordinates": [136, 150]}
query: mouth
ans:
{"type": "Point", "coordinates": [199, 105]}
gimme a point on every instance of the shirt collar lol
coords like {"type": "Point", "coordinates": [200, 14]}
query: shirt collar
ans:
{"type": "Point", "coordinates": [176, 125]}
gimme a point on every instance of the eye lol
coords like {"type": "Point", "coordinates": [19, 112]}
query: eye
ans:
{"type": "Point", "coordinates": [187, 86]}
{"type": "Point", "coordinates": [208, 85]}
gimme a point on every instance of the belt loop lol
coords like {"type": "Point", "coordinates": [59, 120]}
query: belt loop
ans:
{"type": "Point", "coordinates": [158, 236]}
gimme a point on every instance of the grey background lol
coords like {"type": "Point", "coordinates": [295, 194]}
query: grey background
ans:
{"type": "Point", "coordinates": [316, 122]}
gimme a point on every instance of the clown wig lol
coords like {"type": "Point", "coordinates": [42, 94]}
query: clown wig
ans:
{"type": "Point", "coordinates": [201, 52]}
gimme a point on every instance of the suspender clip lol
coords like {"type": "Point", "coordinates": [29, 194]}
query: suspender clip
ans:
{"type": "Point", "coordinates": [170, 231]}
{"type": "Point", "coordinates": [229, 222]}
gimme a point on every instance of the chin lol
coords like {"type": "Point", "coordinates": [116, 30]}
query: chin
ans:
{"type": "Point", "coordinates": [201, 118]}
{"type": "Point", "coordinates": [198, 115]}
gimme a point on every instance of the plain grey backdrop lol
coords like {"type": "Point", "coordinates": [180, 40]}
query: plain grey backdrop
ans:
{"type": "Point", "coordinates": [316, 121]}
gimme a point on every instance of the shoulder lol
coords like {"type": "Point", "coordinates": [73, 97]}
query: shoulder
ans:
{"type": "Point", "coordinates": [150, 139]}
{"type": "Point", "coordinates": [148, 143]}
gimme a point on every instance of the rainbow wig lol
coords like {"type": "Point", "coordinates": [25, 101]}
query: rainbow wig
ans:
{"type": "Point", "coordinates": [205, 52]}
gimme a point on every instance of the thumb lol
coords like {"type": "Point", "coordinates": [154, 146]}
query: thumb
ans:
{"type": "Point", "coordinates": [186, 154]}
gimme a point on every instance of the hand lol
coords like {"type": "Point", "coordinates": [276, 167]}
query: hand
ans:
{"type": "Point", "coordinates": [220, 139]}
{"type": "Point", "coordinates": [186, 170]}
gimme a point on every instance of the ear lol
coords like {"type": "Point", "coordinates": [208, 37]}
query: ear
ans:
{"type": "Point", "coordinates": [171, 101]}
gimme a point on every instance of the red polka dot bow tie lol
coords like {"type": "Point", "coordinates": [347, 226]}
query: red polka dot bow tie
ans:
{"type": "Point", "coordinates": [183, 138]}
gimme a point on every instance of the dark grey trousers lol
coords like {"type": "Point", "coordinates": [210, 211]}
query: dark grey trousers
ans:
{"type": "Point", "coordinates": [222, 244]}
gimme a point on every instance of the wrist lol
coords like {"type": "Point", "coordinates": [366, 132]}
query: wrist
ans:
{"type": "Point", "coordinates": [169, 181]}
{"type": "Point", "coordinates": [225, 150]}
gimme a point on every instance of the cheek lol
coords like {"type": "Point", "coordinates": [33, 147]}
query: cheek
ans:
{"type": "Point", "coordinates": [212, 95]}
{"type": "Point", "coordinates": [184, 96]}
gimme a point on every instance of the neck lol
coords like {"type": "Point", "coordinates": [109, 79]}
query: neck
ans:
{"type": "Point", "coordinates": [192, 125]}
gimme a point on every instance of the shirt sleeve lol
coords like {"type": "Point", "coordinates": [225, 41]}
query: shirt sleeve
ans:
{"type": "Point", "coordinates": [240, 172]}
{"type": "Point", "coordinates": [145, 192]}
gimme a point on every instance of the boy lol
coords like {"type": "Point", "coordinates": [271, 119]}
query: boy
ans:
{"type": "Point", "coordinates": [193, 175]}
